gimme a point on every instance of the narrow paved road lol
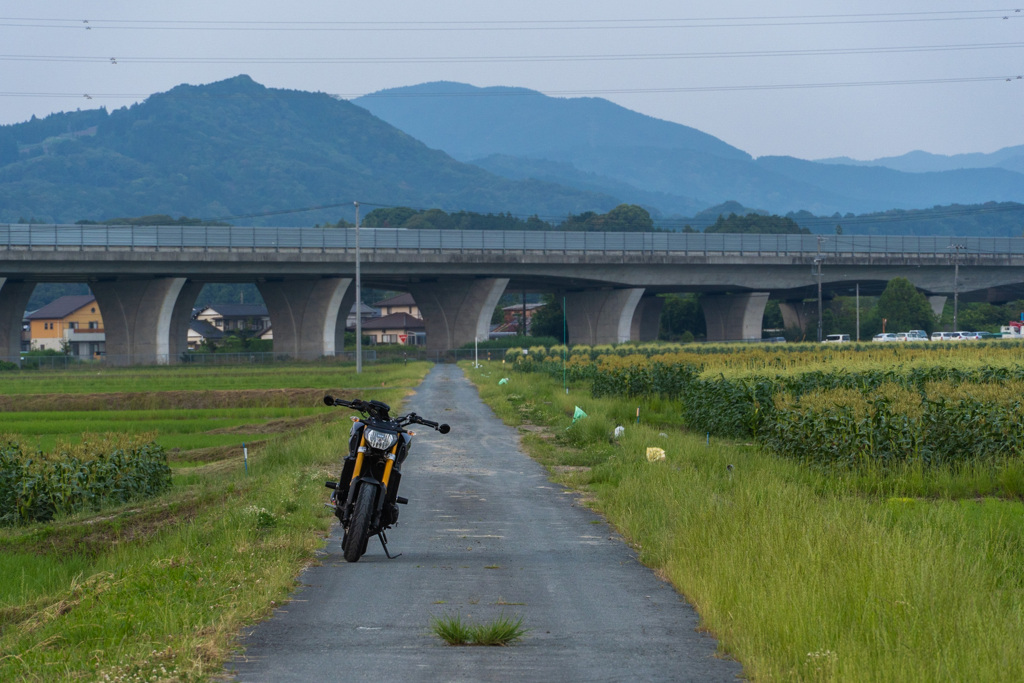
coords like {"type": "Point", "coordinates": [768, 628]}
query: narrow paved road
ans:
{"type": "Point", "coordinates": [485, 534]}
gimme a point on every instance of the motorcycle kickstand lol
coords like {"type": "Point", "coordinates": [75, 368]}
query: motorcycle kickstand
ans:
{"type": "Point", "coordinates": [384, 542]}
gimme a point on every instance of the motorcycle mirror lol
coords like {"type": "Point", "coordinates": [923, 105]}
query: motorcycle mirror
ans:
{"type": "Point", "coordinates": [444, 429]}
{"type": "Point", "coordinates": [328, 400]}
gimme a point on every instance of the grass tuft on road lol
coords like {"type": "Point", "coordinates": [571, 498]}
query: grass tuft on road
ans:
{"type": "Point", "coordinates": [503, 630]}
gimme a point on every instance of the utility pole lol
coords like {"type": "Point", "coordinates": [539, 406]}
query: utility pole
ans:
{"type": "Point", "coordinates": [817, 261]}
{"type": "Point", "coordinates": [857, 290]}
{"type": "Point", "coordinates": [359, 303]}
{"type": "Point", "coordinates": [956, 282]}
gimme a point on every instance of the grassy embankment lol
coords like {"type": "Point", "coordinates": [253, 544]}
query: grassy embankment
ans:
{"type": "Point", "coordinates": [800, 572]}
{"type": "Point", "coordinates": [158, 589]}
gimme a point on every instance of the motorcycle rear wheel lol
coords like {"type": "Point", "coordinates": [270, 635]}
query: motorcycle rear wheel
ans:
{"type": "Point", "coordinates": [358, 533]}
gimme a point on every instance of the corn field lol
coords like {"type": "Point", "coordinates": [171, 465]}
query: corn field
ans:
{"type": "Point", "coordinates": [936, 406]}
{"type": "Point", "coordinates": [38, 487]}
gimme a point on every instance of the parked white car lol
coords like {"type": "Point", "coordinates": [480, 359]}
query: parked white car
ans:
{"type": "Point", "coordinates": [917, 335]}
{"type": "Point", "coordinates": [835, 338]}
{"type": "Point", "coordinates": [884, 337]}
{"type": "Point", "coordinates": [941, 336]}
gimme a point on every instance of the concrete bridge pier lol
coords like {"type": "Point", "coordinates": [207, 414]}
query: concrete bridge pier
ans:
{"type": "Point", "coordinates": [308, 316]}
{"type": "Point", "coordinates": [647, 318]}
{"type": "Point", "coordinates": [14, 298]}
{"type": "Point", "coordinates": [145, 321]}
{"type": "Point", "coordinates": [601, 316]}
{"type": "Point", "coordinates": [732, 317]}
{"type": "Point", "coordinates": [456, 311]}
{"type": "Point", "coordinates": [937, 303]}
{"type": "Point", "coordinates": [798, 314]}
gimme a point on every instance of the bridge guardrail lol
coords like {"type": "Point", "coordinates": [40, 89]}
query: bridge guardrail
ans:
{"type": "Point", "coordinates": [53, 237]}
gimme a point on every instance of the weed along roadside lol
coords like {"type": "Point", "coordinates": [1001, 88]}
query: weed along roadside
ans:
{"type": "Point", "coordinates": [157, 588]}
{"type": "Point", "coordinates": [802, 571]}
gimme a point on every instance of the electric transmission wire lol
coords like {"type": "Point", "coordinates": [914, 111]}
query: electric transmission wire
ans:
{"type": "Point", "coordinates": [515, 25]}
{"type": "Point", "coordinates": [821, 52]}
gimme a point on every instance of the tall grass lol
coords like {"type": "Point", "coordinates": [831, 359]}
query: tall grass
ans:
{"type": "Point", "coordinates": [805, 573]}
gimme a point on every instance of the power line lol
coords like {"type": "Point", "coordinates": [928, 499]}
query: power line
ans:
{"type": "Point", "coordinates": [708, 88]}
{"type": "Point", "coordinates": [516, 25]}
{"type": "Point", "coordinates": [578, 93]}
{"type": "Point", "coordinates": [82, 59]}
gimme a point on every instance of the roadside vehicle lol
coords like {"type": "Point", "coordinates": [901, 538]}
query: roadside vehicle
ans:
{"type": "Point", "coordinates": [941, 336]}
{"type": "Point", "coordinates": [884, 337]}
{"type": "Point", "coordinates": [365, 498]}
{"type": "Point", "coordinates": [901, 336]}
{"type": "Point", "coordinates": [835, 339]}
{"type": "Point", "coordinates": [917, 335]}
{"type": "Point", "coordinates": [1014, 330]}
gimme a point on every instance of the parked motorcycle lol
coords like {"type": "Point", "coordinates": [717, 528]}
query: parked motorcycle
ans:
{"type": "Point", "coordinates": [365, 498]}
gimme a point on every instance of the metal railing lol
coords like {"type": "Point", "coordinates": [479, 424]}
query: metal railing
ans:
{"type": "Point", "coordinates": [221, 238]}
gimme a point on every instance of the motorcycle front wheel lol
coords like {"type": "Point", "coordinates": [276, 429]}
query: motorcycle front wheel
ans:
{"type": "Point", "coordinates": [359, 528]}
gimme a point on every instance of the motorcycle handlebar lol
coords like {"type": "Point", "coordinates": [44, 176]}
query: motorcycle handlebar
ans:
{"type": "Point", "coordinates": [363, 406]}
{"type": "Point", "coordinates": [443, 428]}
{"type": "Point", "coordinates": [355, 405]}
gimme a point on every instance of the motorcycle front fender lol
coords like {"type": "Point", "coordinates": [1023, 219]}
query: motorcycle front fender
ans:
{"type": "Point", "coordinates": [379, 493]}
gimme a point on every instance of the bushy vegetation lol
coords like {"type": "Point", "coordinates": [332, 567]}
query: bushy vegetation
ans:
{"type": "Point", "coordinates": [91, 475]}
{"type": "Point", "coordinates": [623, 218]}
{"type": "Point", "coordinates": [965, 407]}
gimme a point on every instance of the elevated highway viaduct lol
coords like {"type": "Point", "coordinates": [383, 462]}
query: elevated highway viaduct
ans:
{"type": "Point", "coordinates": [146, 279]}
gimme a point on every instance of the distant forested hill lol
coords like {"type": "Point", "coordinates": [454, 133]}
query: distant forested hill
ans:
{"type": "Point", "coordinates": [669, 168]}
{"type": "Point", "coordinates": [236, 148]}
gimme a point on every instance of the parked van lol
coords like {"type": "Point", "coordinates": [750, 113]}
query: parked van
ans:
{"type": "Point", "coordinates": [835, 338]}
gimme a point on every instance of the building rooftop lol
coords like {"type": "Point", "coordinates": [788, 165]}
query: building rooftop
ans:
{"type": "Point", "coordinates": [402, 321]}
{"type": "Point", "coordinates": [62, 307]}
{"type": "Point", "coordinates": [403, 299]}
{"type": "Point", "coordinates": [236, 310]}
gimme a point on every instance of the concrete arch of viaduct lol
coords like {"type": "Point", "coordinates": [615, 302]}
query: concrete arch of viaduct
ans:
{"type": "Point", "coordinates": [146, 321]}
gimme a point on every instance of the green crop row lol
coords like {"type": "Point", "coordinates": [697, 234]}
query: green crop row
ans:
{"type": "Point", "coordinates": [39, 488]}
{"type": "Point", "coordinates": [936, 414]}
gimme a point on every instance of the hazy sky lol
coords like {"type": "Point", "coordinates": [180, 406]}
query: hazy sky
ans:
{"type": "Point", "coordinates": [900, 76]}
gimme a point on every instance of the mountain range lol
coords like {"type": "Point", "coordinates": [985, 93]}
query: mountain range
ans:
{"type": "Point", "coordinates": [238, 149]}
{"type": "Point", "coordinates": [521, 133]}
{"type": "Point", "coordinates": [235, 149]}
{"type": "Point", "coordinates": [1010, 158]}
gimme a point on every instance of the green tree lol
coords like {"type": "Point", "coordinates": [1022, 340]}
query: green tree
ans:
{"type": "Point", "coordinates": [680, 315]}
{"type": "Point", "coordinates": [756, 223]}
{"type": "Point", "coordinates": [623, 218]}
{"type": "Point", "coordinates": [547, 321]}
{"type": "Point", "coordinates": [904, 308]}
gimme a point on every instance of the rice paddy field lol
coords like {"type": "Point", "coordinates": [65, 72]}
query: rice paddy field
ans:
{"type": "Point", "coordinates": [160, 540]}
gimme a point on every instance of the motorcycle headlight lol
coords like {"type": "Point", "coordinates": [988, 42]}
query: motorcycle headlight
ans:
{"type": "Point", "coordinates": [379, 439]}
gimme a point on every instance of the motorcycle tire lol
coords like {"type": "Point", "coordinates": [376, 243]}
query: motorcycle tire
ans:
{"type": "Point", "coordinates": [358, 533]}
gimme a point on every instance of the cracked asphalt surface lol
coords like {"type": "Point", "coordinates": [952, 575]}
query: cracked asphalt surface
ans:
{"type": "Point", "coordinates": [485, 534]}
